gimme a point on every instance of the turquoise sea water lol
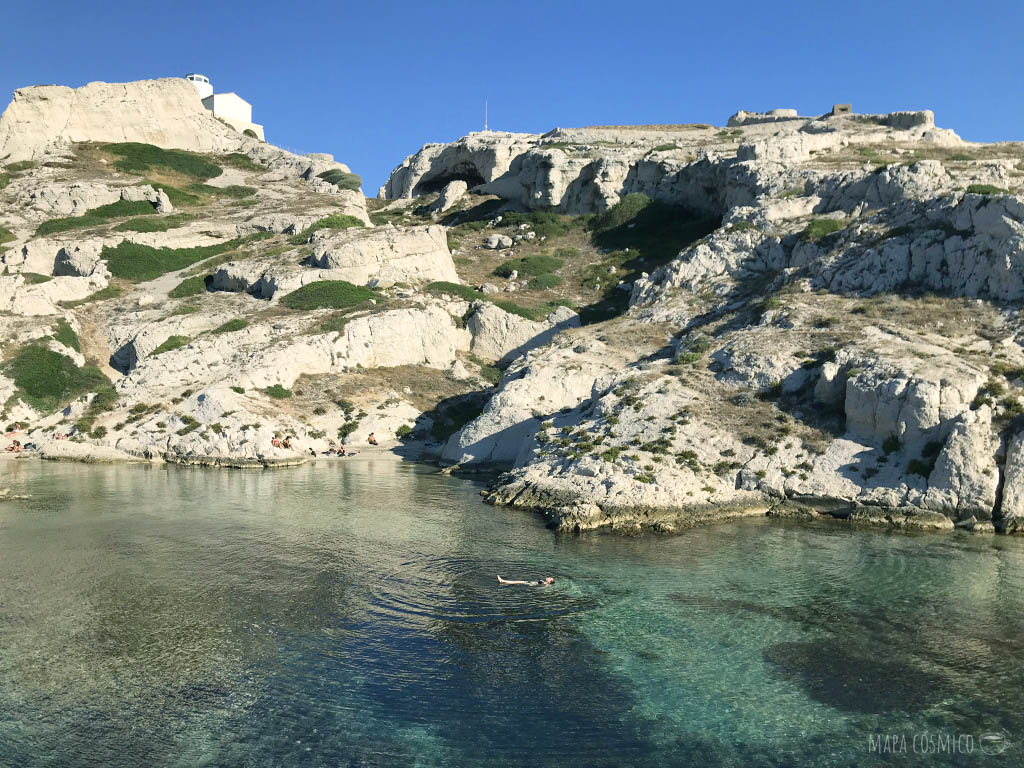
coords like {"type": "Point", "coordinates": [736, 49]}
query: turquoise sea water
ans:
{"type": "Point", "coordinates": [349, 615]}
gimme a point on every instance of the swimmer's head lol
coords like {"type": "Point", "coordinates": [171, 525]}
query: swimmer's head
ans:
{"type": "Point", "coordinates": [549, 580]}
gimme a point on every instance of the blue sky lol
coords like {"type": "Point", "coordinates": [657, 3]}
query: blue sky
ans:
{"type": "Point", "coordinates": [372, 82]}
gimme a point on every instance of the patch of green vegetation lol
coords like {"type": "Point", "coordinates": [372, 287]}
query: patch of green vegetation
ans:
{"type": "Point", "coordinates": [341, 179]}
{"type": "Point", "coordinates": [891, 444]}
{"type": "Point", "coordinates": [277, 392]}
{"type": "Point", "coordinates": [334, 323]}
{"type": "Point", "coordinates": [34, 278]}
{"type": "Point", "coordinates": [986, 189]}
{"type": "Point", "coordinates": [403, 431]}
{"type": "Point", "coordinates": [238, 390]}
{"type": "Point", "coordinates": [791, 192]}
{"type": "Point", "coordinates": [328, 294]}
{"type": "Point", "coordinates": [334, 221]}
{"type": "Point", "coordinates": [665, 148]}
{"type": "Point", "coordinates": [538, 264]}
{"type": "Point", "coordinates": [139, 158]}
{"type": "Point", "coordinates": [112, 291]}
{"type": "Point", "coordinates": [95, 217]}
{"type": "Point", "coordinates": [5, 179]}
{"type": "Point", "coordinates": [820, 228]}
{"type": "Point", "coordinates": [171, 343]}
{"type": "Point", "coordinates": [66, 335]}
{"type": "Point", "coordinates": [241, 162]}
{"type": "Point", "coordinates": [543, 223]}
{"type": "Point", "coordinates": [154, 223]}
{"type": "Point", "coordinates": [46, 380]}
{"type": "Point", "coordinates": [929, 456]}
{"type": "Point", "coordinates": [190, 286]}
{"type": "Point", "coordinates": [136, 262]}
{"type": "Point", "coordinates": [178, 197]}
{"type": "Point", "coordinates": [20, 167]}
{"type": "Point", "coordinates": [544, 282]}
{"type": "Point", "coordinates": [237, 324]}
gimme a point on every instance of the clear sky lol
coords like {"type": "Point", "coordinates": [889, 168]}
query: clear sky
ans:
{"type": "Point", "coordinates": [371, 82]}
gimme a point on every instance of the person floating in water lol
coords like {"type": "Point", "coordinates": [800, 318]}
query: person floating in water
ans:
{"type": "Point", "coordinates": [546, 582]}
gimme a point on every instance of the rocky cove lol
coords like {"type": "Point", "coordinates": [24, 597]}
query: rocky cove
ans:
{"type": "Point", "coordinates": [640, 327]}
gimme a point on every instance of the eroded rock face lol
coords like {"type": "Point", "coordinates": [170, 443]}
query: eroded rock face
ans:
{"type": "Point", "coordinates": [410, 255]}
{"type": "Point", "coordinates": [166, 112]}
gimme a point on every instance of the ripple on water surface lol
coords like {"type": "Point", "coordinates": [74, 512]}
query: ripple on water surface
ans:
{"type": "Point", "coordinates": [180, 618]}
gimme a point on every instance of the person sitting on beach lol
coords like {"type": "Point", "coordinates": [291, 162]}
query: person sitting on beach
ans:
{"type": "Point", "coordinates": [372, 440]}
{"type": "Point", "coordinates": [287, 442]}
{"type": "Point", "coordinates": [15, 429]}
{"type": "Point", "coordinates": [276, 442]}
{"type": "Point", "coordinates": [546, 582]}
{"type": "Point", "coordinates": [341, 450]}
{"type": "Point", "coordinates": [14, 447]}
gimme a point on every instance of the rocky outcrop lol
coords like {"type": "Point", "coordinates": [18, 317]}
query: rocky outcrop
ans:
{"type": "Point", "coordinates": [386, 254]}
{"type": "Point", "coordinates": [166, 112]}
{"type": "Point", "coordinates": [502, 336]}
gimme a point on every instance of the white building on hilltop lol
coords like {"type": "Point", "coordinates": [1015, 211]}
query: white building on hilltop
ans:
{"type": "Point", "coordinates": [230, 108]}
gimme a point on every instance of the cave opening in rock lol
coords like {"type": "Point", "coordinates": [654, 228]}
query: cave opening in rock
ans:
{"type": "Point", "coordinates": [435, 183]}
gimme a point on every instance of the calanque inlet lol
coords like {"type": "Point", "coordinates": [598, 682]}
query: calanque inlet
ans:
{"type": "Point", "coordinates": [632, 327]}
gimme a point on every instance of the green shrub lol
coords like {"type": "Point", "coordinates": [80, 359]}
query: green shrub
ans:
{"type": "Point", "coordinates": [454, 417]}
{"type": "Point", "coordinates": [820, 228]}
{"type": "Point", "coordinates": [178, 197]}
{"type": "Point", "coordinates": [231, 326]}
{"type": "Point", "coordinates": [34, 278]}
{"type": "Point", "coordinates": [403, 431]}
{"type": "Point", "coordinates": [98, 433]}
{"type": "Point", "coordinates": [46, 380]}
{"type": "Point", "coordinates": [545, 282]}
{"type": "Point", "coordinates": [238, 390]}
{"type": "Point", "coordinates": [5, 179]}
{"type": "Point", "coordinates": [139, 158]}
{"type": "Point", "coordinates": [277, 392]}
{"type": "Point", "coordinates": [66, 335]}
{"type": "Point", "coordinates": [5, 234]}
{"type": "Point", "coordinates": [891, 444]}
{"type": "Point", "coordinates": [172, 342]}
{"type": "Point", "coordinates": [334, 221]}
{"type": "Point", "coordinates": [154, 223]}
{"type": "Point", "coordinates": [665, 148]}
{"type": "Point", "coordinates": [96, 216]}
{"type": "Point", "coordinates": [335, 323]}
{"type": "Point", "coordinates": [327, 294]}
{"type": "Point", "coordinates": [341, 179]}
{"type": "Point", "coordinates": [20, 166]}
{"type": "Point", "coordinates": [190, 286]}
{"type": "Point", "coordinates": [138, 263]}
{"type": "Point", "coordinates": [986, 189]}
{"type": "Point", "coordinates": [241, 162]}
{"type": "Point", "coordinates": [543, 223]}
{"type": "Point", "coordinates": [540, 264]}
{"type": "Point", "coordinates": [623, 212]}
{"type": "Point", "coordinates": [919, 467]}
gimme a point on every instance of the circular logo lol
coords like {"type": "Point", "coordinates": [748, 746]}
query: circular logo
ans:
{"type": "Point", "coordinates": [994, 742]}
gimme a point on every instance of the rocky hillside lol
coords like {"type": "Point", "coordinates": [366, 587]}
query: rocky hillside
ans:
{"type": "Point", "coordinates": [842, 339]}
{"type": "Point", "coordinates": [643, 326]}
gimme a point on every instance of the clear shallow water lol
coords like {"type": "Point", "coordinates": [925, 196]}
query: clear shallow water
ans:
{"type": "Point", "coordinates": [348, 615]}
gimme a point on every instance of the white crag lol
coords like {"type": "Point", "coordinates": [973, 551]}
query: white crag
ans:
{"type": "Point", "coordinates": [673, 324]}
